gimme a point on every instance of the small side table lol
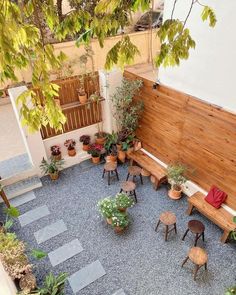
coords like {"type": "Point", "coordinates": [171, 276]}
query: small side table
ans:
{"type": "Point", "coordinates": [129, 188]}
{"type": "Point", "coordinates": [134, 171]}
{"type": "Point", "coordinates": [110, 168]}
{"type": "Point", "coordinates": [197, 228]}
{"type": "Point", "coordinates": [199, 257]}
{"type": "Point", "coordinates": [168, 219]}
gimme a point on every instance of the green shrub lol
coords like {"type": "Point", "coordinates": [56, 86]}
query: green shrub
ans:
{"type": "Point", "coordinates": [123, 200]}
{"type": "Point", "coordinates": [107, 207]}
{"type": "Point", "coordinates": [120, 219]}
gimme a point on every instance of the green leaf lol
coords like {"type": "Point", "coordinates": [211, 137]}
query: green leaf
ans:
{"type": "Point", "coordinates": [38, 254]}
{"type": "Point", "coordinates": [12, 212]}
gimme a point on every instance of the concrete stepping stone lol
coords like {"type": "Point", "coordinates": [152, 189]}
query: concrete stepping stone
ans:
{"type": "Point", "coordinates": [50, 231]}
{"type": "Point", "coordinates": [65, 252]}
{"type": "Point", "coordinates": [85, 276]}
{"type": "Point", "coordinates": [33, 215]}
{"type": "Point", "coordinates": [119, 292]}
{"type": "Point", "coordinates": [22, 199]}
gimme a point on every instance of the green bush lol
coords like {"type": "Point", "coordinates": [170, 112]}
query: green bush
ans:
{"type": "Point", "coordinates": [107, 207]}
{"type": "Point", "coordinates": [123, 200]}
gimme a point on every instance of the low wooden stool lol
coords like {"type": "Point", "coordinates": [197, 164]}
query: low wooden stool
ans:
{"type": "Point", "coordinates": [199, 257]}
{"type": "Point", "coordinates": [197, 228]}
{"type": "Point", "coordinates": [167, 218]}
{"type": "Point", "coordinates": [134, 171]}
{"type": "Point", "coordinates": [110, 168]}
{"type": "Point", "coordinates": [129, 188]}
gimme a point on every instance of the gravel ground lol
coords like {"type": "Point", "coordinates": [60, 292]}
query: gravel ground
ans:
{"type": "Point", "coordinates": [139, 261]}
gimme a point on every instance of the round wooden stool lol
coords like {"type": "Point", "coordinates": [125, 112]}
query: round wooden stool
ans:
{"type": "Point", "coordinates": [129, 188]}
{"type": "Point", "coordinates": [134, 171]}
{"type": "Point", "coordinates": [109, 168]}
{"type": "Point", "coordinates": [197, 228]}
{"type": "Point", "coordinates": [199, 257]}
{"type": "Point", "coordinates": [168, 219]}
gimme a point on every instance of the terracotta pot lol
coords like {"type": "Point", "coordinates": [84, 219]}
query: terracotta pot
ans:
{"type": "Point", "coordinates": [122, 209]}
{"type": "Point", "coordinates": [85, 147]}
{"type": "Point", "coordinates": [27, 282]}
{"type": "Point", "coordinates": [109, 220]}
{"type": "Point", "coordinates": [96, 160]}
{"type": "Point", "coordinates": [100, 140]}
{"type": "Point", "coordinates": [2, 228]}
{"type": "Point", "coordinates": [56, 157]}
{"type": "Point", "coordinates": [121, 156]}
{"type": "Point", "coordinates": [54, 176]}
{"type": "Point", "coordinates": [175, 194]}
{"type": "Point", "coordinates": [118, 229]}
{"type": "Point", "coordinates": [130, 150]}
{"type": "Point", "coordinates": [72, 152]}
{"type": "Point", "coordinates": [119, 146]}
{"type": "Point", "coordinates": [83, 98]}
{"type": "Point", "coordinates": [113, 158]}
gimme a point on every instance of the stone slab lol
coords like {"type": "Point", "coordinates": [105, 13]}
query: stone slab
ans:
{"type": "Point", "coordinates": [22, 199]}
{"type": "Point", "coordinates": [65, 252]}
{"type": "Point", "coordinates": [85, 276]}
{"type": "Point", "coordinates": [50, 231]}
{"type": "Point", "coordinates": [33, 215]}
{"type": "Point", "coordinates": [119, 292]}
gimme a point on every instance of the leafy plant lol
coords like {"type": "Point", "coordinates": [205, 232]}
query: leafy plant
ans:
{"type": "Point", "coordinates": [70, 144]}
{"type": "Point", "coordinates": [11, 214]}
{"type": "Point", "coordinates": [231, 291]}
{"type": "Point", "coordinates": [123, 200]}
{"type": "Point", "coordinates": [51, 167]}
{"type": "Point", "coordinates": [55, 150]}
{"type": "Point", "coordinates": [110, 143]}
{"type": "Point", "coordinates": [127, 112]}
{"type": "Point", "coordinates": [120, 219]}
{"type": "Point", "coordinates": [176, 176]}
{"type": "Point", "coordinates": [100, 134]}
{"type": "Point", "coordinates": [95, 150]}
{"type": "Point", "coordinates": [38, 254]}
{"type": "Point", "coordinates": [85, 139]}
{"type": "Point", "coordinates": [107, 207]}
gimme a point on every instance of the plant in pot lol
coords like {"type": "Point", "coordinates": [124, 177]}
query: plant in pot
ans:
{"type": "Point", "coordinates": [100, 137]}
{"type": "Point", "coordinates": [70, 145]}
{"type": "Point", "coordinates": [11, 214]}
{"type": "Point", "coordinates": [119, 221]}
{"type": "Point", "coordinates": [129, 145]}
{"type": "Point", "coordinates": [110, 147]}
{"type": "Point", "coordinates": [85, 139]}
{"type": "Point", "coordinates": [107, 207]}
{"type": "Point", "coordinates": [81, 91]}
{"type": "Point", "coordinates": [95, 151]}
{"type": "Point", "coordinates": [176, 178]}
{"type": "Point", "coordinates": [52, 167]}
{"type": "Point", "coordinates": [123, 201]}
{"type": "Point", "coordinates": [56, 152]}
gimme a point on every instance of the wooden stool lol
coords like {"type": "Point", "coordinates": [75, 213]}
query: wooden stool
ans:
{"type": "Point", "coordinates": [197, 228]}
{"type": "Point", "coordinates": [129, 188]}
{"type": "Point", "coordinates": [110, 168]}
{"type": "Point", "coordinates": [134, 171]}
{"type": "Point", "coordinates": [199, 257]}
{"type": "Point", "coordinates": [168, 219]}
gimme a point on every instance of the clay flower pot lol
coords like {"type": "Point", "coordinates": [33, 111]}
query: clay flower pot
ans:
{"type": "Point", "coordinates": [130, 150]}
{"type": "Point", "coordinates": [175, 194]}
{"type": "Point", "coordinates": [121, 155]}
{"type": "Point", "coordinates": [2, 228]}
{"type": "Point", "coordinates": [56, 157]}
{"type": "Point", "coordinates": [72, 152]}
{"type": "Point", "coordinates": [113, 158]}
{"type": "Point", "coordinates": [83, 98]}
{"type": "Point", "coordinates": [109, 220]}
{"type": "Point", "coordinates": [122, 209]}
{"type": "Point", "coordinates": [54, 176]}
{"type": "Point", "coordinates": [96, 160]}
{"type": "Point", "coordinates": [100, 140]}
{"type": "Point", "coordinates": [118, 229]}
{"type": "Point", "coordinates": [85, 147]}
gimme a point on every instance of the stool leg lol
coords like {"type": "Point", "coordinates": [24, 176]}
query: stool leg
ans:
{"type": "Point", "coordinates": [121, 190]}
{"type": "Point", "coordinates": [141, 178]}
{"type": "Point", "coordinates": [195, 272]}
{"type": "Point", "coordinates": [205, 265]}
{"type": "Point", "coordinates": [175, 228]}
{"type": "Point", "coordinates": [185, 234]}
{"type": "Point", "coordinates": [103, 173]}
{"type": "Point", "coordinates": [133, 178]}
{"type": "Point", "coordinates": [158, 223]}
{"type": "Point", "coordinates": [196, 239]}
{"type": "Point", "coordinates": [134, 193]}
{"type": "Point", "coordinates": [109, 176]}
{"type": "Point", "coordinates": [117, 176]}
{"type": "Point", "coordinates": [127, 177]}
{"type": "Point", "coordinates": [185, 260]}
{"type": "Point", "coordinates": [203, 236]}
{"type": "Point", "coordinates": [166, 232]}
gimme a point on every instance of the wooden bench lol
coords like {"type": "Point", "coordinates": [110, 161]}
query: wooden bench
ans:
{"type": "Point", "coordinates": [220, 216]}
{"type": "Point", "coordinates": [156, 170]}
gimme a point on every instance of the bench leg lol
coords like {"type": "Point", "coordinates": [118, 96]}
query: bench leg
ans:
{"type": "Point", "coordinates": [225, 236]}
{"type": "Point", "coordinates": [190, 209]}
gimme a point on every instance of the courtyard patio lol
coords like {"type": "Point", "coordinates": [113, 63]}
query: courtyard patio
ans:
{"type": "Point", "coordinates": [138, 261]}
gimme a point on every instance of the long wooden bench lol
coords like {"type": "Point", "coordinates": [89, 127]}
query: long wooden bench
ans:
{"type": "Point", "coordinates": [220, 216]}
{"type": "Point", "coordinates": [154, 168]}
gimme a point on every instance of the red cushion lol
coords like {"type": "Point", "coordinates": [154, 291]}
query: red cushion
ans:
{"type": "Point", "coordinates": [216, 197]}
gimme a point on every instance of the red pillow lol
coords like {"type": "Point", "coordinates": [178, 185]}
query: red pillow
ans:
{"type": "Point", "coordinates": [216, 197]}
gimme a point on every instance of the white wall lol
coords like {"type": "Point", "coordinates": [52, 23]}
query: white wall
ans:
{"type": "Point", "coordinates": [209, 73]}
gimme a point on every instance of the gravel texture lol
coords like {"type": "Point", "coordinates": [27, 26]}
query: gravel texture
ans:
{"type": "Point", "coordinates": [139, 261]}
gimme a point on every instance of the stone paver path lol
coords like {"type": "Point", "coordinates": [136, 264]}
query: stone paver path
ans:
{"type": "Point", "coordinates": [33, 215]}
{"type": "Point", "coordinates": [22, 199]}
{"type": "Point", "coordinates": [50, 231]}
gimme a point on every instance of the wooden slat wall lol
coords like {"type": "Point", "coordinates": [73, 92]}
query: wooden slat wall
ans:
{"type": "Point", "coordinates": [178, 127]}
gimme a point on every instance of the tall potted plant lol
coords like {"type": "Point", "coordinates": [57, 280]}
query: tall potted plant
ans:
{"type": "Point", "coordinates": [176, 178]}
{"type": "Point", "coordinates": [81, 91]}
{"type": "Point", "coordinates": [52, 167]}
{"type": "Point", "coordinates": [70, 145]}
{"type": "Point", "coordinates": [110, 147]}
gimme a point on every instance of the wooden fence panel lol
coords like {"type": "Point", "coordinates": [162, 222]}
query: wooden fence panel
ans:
{"type": "Point", "coordinates": [178, 127]}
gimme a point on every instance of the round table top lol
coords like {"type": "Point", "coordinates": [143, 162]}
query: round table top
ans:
{"type": "Point", "coordinates": [128, 186]}
{"type": "Point", "coordinates": [134, 170]}
{"type": "Point", "coordinates": [168, 218]}
{"type": "Point", "coordinates": [198, 255]}
{"type": "Point", "coordinates": [196, 226]}
{"type": "Point", "coordinates": [111, 166]}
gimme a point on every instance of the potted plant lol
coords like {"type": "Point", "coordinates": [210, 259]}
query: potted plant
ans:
{"type": "Point", "coordinates": [110, 147]}
{"type": "Point", "coordinates": [129, 145]}
{"type": "Point", "coordinates": [11, 214]}
{"type": "Point", "coordinates": [123, 201]}
{"type": "Point", "coordinates": [81, 91]}
{"type": "Point", "coordinates": [176, 178]}
{"type": "Point", "coordinates": [70, 145]}
{"type": "Point", "coordinates": [85, 139]}
{"type": "Point", "coordinates": [52, 167]}
{"type": "Point", "coordinates": [119, 221]}
{"type": "Point", "coordinates": [107, 207]}
{"type": "Point", "coordinates": [100, 137]}
{"type": "Point", "coordinates": [95, 151]}
{"type": "Point", "coordinates": [56, 152]}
